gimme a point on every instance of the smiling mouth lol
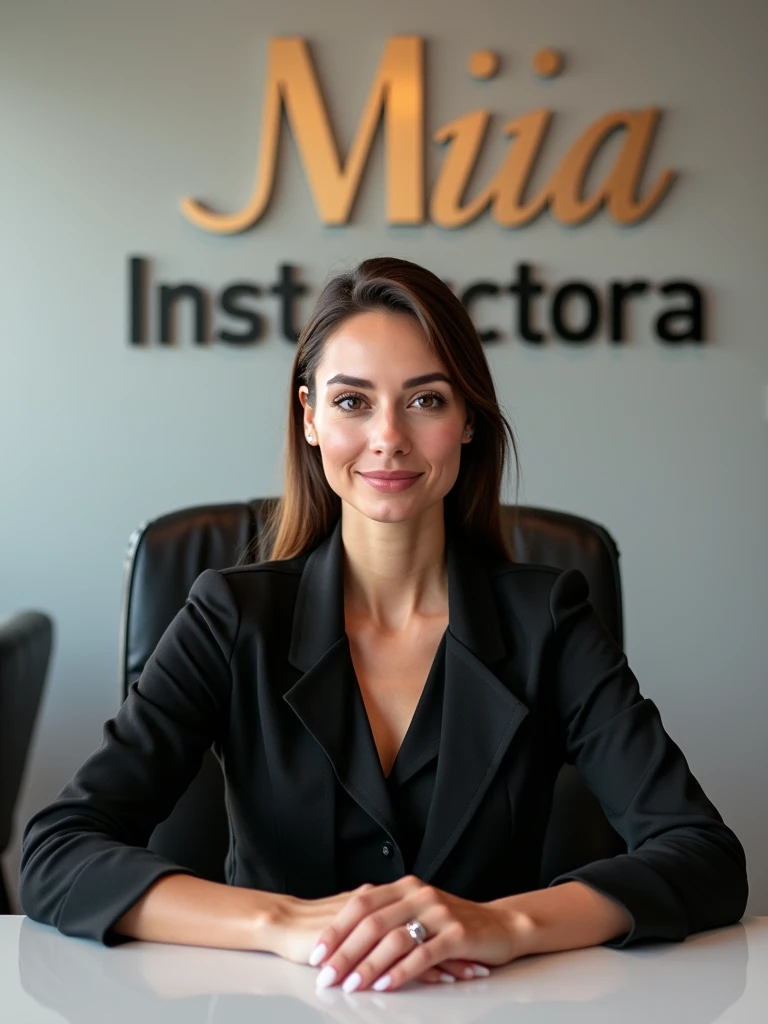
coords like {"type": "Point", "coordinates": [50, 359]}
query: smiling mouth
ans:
{"type": "Point", "coordinates": [391, 483]}
{"type": "Point", "coordinates": [398, 474]}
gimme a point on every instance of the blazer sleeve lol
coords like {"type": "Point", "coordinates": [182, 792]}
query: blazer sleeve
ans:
{"type": "Point", "coordinates": [685, 870]}
{"type": "Point", "coordinates": [84, 860]}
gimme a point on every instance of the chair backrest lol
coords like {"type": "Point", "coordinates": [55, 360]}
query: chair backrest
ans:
{"type": "Point", "coordinates": [26, 640]}
{"type": "Point", "coordinates": [167, 554]}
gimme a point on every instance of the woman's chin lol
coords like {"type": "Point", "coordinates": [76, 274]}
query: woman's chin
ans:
{"type": "Point", "coordinates": [389, 508]}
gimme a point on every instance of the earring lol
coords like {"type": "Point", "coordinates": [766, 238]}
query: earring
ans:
{"type": "Point", "coordinates": [468, 433]}
{"type": "Point", "coordinates": [310, 438]}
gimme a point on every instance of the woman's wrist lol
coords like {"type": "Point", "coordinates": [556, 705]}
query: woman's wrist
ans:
{"type": "Point", "coordinates": [518, 924]}
{"type": "Point", "coordinates": [183, 909]}
{"type": "Point", "coordinates": [571, 915]}
{"type": "Point", "coordinates": [266, 912]}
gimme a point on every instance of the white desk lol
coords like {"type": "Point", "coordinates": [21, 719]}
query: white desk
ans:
{"type": "Point", "coordinates": [720, 975]}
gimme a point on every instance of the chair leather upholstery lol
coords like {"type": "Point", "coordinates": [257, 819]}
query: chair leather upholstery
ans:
{"type": "Point", "coordinates": [26, 639]}
{"type": "Point", "coordinates": [167, 554]}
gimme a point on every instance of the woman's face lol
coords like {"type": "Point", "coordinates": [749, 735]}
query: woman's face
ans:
{"type": "Point", "coordinates": [385, 404]}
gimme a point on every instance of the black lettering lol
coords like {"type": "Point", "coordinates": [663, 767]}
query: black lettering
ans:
{"type": "Point", "coordinates": [289, 291]}
{"type": "Point", "coordinates": [476, 291]}
{"type": "Point", "coordinates": [169, 296]}
{"type": "Point", "coordinates": [138, 273]}
{"type": "Point", "coordinates": [692, 315]}
{"type": "Point", "coordinates": [525, 288]}
{"type": "Point", "coordinates": [619, 292]}
{"type": "Point", "coordinates": [228, 302]}
{"type": "Point", "coordinates": [562, 296]}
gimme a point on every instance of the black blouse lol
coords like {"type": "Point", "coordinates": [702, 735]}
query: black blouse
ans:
{"type": "Point", "coordinates": [408, 788]}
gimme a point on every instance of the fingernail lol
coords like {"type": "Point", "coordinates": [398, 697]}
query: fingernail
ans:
{"type": "Point", "coordinates": [326, 977]}
{"type": "Point", "coordinates": [382, 983]}
{"type": "Point", "coordinates": [444, 976]}
{"type": "Point", "coordinates": [352, 982]}
{"type": "Point", "coordinates": [480, 971]}
{"type": "Point", "coordinates": [317, 954]}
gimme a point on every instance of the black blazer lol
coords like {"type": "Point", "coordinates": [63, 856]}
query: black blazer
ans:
{"type": "Point", "coordinates": [257, 664]}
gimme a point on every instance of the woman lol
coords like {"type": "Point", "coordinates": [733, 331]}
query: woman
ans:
{"type": "Point", "coordinates": [391, 698]}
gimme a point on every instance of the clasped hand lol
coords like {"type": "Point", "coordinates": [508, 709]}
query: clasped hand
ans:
{"type": "Point", "coordinates": [359, 939]}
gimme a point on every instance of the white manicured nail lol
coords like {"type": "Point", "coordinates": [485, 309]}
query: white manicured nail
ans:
{"type": "Point", "coordinates": [445, 976]}
{"type": "Point", "coordinates": [481, 972]}
{"type": "Point", "coordinates": [352, 982]}
{"type": "Point", "coordinates": [317, 954]}
{"type": "Point", "coordinates": [382, 983]}
{"type": "Point", "coordinates": [326, 977]}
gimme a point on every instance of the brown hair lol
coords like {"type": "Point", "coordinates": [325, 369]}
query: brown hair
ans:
{"type": "Point", "coordinates": [309, 509]}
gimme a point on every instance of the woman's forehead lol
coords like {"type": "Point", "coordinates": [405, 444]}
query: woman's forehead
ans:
{"type": "Point", "coordinates": [374, 345]}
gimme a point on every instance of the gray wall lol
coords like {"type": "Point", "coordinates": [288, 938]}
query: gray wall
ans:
{"type": "Point", "coordinates": [111, 112]}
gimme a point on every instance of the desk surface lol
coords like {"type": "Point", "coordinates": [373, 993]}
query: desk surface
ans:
{"type": "Point", "coordinates": [721, 975]}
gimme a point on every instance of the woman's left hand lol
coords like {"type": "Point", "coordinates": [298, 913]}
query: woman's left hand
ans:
{"type": "Point", "coordinates": [368, 941]}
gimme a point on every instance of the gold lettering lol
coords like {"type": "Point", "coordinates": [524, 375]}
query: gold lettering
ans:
{"type": "Point", "coordinates": [513, 176]}
{"type": "Point", "coordinates": [396, 97]}
{"type": "Point", "coordinates": [397, 90]}
{"type": "Point", "coordinates": [563, 192]}
{"type": "Point", "coordinates": [465, 137]}
{"type": "Point", "coordinates": [619, 191]}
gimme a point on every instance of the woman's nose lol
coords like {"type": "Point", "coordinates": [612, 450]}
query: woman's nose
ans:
{"type": "Point", "coordinates": [388, 435]}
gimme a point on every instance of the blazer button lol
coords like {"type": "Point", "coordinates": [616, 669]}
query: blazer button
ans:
{"type": "Point", "coordinates": [388, 849]}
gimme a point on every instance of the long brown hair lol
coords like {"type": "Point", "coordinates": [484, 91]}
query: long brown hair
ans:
{"type": "Point", "coordinates": [309, 509]}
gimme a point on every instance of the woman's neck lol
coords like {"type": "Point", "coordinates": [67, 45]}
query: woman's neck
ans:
{"type": "Point", "coordinates": [394, 573]}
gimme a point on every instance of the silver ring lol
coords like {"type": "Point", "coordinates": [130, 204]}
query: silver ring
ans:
{"type": "Point", "coordinates": [417, 931]}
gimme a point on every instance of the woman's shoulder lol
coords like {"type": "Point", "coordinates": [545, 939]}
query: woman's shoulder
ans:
{"type": "Point", "coordinates": [537, 586]}
{"type": "Point", "coordinates": [506, 572]}
{"type": "Point", "coordinates": [244, 585]}
{"type": "Point", "coordinates": [536, 575]}
{"type": "Point", "coordinates": [241, 600]}
{"type": "Point", "coordinates": [262, 572]}
{"type": "Point", "coordinates": [524, 591]}
{"type": "Point", "coordinates": [529, 584]}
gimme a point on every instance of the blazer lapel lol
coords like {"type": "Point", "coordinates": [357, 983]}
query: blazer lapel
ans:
{"type": "Point", "coordinates": [480, 714]}
{"type": "Point", "coordinates": [327, 698]}
{"type": "Point", "coordinates": [480, 718]}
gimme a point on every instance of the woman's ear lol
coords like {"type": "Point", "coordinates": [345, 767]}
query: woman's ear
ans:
{"type": "Point", "coordinates": [309, 415]}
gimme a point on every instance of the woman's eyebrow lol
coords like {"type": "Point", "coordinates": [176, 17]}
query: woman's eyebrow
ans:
{"type": "Point", "coordinates": [412, 382]}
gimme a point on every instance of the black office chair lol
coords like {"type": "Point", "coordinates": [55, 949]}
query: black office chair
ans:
{"type": "Point", "coordinates": [26, 640]}
{"type": "Point", "coordinates": [167, 554]}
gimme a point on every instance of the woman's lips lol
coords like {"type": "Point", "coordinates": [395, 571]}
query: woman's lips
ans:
{"type": "Point", "coordinates": [391, 484]}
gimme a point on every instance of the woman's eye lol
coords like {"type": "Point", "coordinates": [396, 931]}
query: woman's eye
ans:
{"type": "Point", "coordinates": [433, 398]}
{"type": "Point", "coordinates": [342, 399]}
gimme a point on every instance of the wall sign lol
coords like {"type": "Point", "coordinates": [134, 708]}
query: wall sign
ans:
{"type": "Point", "coordinates": [577, 310]}
{"type": "Point", "coordinates": [397, 96]}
